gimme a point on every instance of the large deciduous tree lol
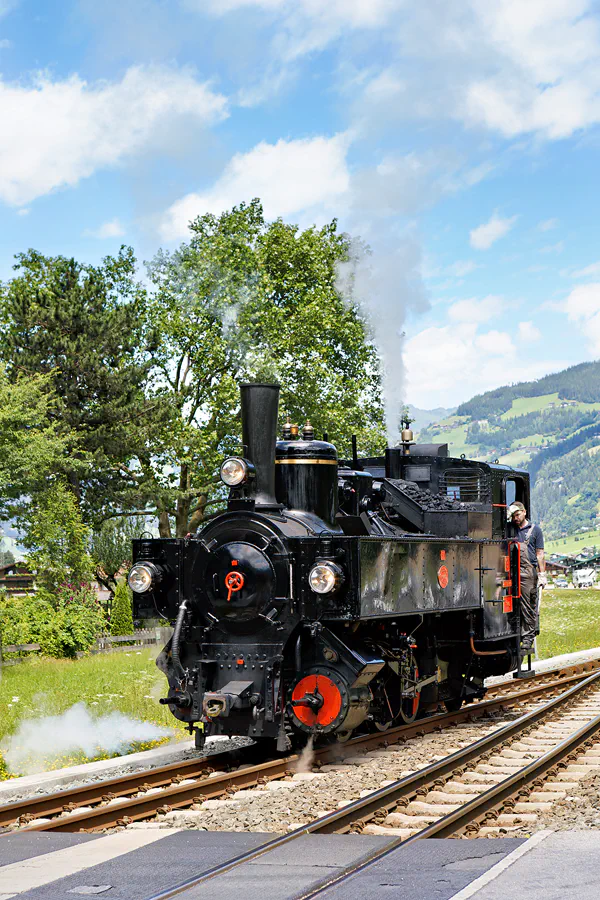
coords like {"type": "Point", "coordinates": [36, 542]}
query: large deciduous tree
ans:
{"type": "Point", "coordinates": [246, 299]}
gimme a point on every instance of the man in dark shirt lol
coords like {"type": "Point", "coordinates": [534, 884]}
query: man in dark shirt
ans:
{"type": "Point", "coordinates": [532, 560]}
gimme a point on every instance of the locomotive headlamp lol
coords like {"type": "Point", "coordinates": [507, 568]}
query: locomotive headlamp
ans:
{"type": "Point", "coordinates": [235, 471]}
{"type": "Point", "coordinates": [325, 577]}
{"type": "Point", "coordinates": [142, 577]}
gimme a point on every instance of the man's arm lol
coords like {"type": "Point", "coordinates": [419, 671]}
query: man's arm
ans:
{"type": "Point", "coordinates": [541, 560]}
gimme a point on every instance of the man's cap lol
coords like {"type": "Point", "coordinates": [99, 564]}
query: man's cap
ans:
{"type": "Point", "coordinates": [515, 507]}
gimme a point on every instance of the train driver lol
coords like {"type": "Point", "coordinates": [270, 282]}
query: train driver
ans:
{"type": "Point", "coordinates": [533, 569]}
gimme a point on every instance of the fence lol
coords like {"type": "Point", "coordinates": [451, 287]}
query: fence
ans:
{"type": "Point", "coordinates": [16, 648]}
{"type": "Point", "coordinates": [141, 638]}
{"type": "Point", "coordinates": [145, 637]}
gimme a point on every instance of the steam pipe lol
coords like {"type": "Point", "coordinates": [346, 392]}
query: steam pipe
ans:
{"type": "Point", "coordinates": [259, 434]}
{"type": "Point", "coordinates": [485, 652]}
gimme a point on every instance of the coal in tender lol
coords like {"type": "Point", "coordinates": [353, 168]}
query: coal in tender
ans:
{"type": "Point", "coordinates": [427, 500]}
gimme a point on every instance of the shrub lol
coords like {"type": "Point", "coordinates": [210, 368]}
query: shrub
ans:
{"type": "Point", "coordinates": [121, 617]}
{"type": "Point", "coordinates": [69, 624]}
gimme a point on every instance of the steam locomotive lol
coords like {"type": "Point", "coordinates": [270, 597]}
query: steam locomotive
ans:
{"type": "Point", "coordinates": [335, 595]}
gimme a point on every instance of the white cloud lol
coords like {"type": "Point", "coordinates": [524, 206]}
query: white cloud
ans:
{"type": "Point", "coordinates": [591, 271]}
{"type": "Point", "coordinates": [510, 67]}
{"type": "Point", "coordinates": [548, 225]}
{"type": "Point", "coordinates": [528, 333]}
{"type": "Point", "coordinates": [54, 133]}
{"type": "Point", "coordinates": [476, 311]}
{"type": "Point", "coordinates": [482, 237]}
{"type": "Point", "coordinates": [110, 229]}
{"type": "Point", "coordinates": [460, 268]}
{"type": "Point", "coordinates": [449, 364]}
{"type": "Point", "coordinates": [553, 248]}
{"type": "Point", "coordinates": [506, 66]}
{"type": "Point", "coordinates": [583, 308]}
{"type": "Point", "coordinates": [290, 177]}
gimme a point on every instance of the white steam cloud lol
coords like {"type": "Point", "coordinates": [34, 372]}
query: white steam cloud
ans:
{"type": "Point", "coordinates": [385, 282]}
{"type": "Point", "coordinates": [40, 742]}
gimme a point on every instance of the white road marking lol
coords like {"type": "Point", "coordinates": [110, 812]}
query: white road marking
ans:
{"type": "Point", "coordinates": [471, 889]}
{"type": "Point", "coordinates": [28, 874]}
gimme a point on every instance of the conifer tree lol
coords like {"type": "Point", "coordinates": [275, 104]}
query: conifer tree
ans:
{"type": "Point", "coordinates": [121, 618]}
{"type": "Point", "coordinates": [83, 327]}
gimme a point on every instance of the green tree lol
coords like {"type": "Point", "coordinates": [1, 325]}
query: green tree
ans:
{"type": "Point", "coordinates": [57, 541]}
{"type": "Point", "coordinates": [246, 299]}
{"type": "Point", "coordinates": [30, 446]}
{"type": "Point", "coordinates": [83, 327]}
{"type": "Point", "coordinates": [111, 550]}
{"type": "Point", "coordinates": [121, 619]}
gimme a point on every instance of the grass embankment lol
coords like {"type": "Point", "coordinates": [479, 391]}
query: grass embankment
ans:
{"type": "Point", "coordinates": [128, 683]}
{"type": "Point", "coordinates": [574, 543]}
{"type": "Point", "coordinates": [570, 621]}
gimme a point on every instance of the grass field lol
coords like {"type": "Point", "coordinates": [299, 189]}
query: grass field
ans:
{"type": "Point", "coordinates": [569, 621]}
{"type": "Point", "coordinates": [126, 683]}
{"type": "Point", "coordinates": [575, 543]}
{"type": "Point", "coordinates": [523, 405]}
{"type": "Point", "coordinates": [130, 684]}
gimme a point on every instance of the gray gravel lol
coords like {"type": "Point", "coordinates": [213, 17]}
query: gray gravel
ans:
{"type": "Point", "coordinates": [301, 797]}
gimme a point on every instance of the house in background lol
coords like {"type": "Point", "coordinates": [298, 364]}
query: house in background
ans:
{"type": "Point", "coordinates": [15, 579]}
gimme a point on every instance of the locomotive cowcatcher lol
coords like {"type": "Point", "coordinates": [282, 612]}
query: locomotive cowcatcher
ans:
{"type": "Point", "coordinates": [334, 595]}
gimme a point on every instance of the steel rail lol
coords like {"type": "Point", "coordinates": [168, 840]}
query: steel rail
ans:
{"type": "Point", "coordinates": [341, 820]}
{"type": "Point", "coordinates": [174, 796]}
{"type": "Point", "coordinates": [461, 818]}
{"type": "Point", "coordinates": [587, 665]}
{"type": "Point", "coordinates": [54, 803]}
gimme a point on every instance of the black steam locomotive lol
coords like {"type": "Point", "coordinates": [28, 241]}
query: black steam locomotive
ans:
{"type": "Point", "coordinates": [335, 595]}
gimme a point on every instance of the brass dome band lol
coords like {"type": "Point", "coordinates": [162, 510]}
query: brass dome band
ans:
{"type": "Point", "coordinates": [306, 462]}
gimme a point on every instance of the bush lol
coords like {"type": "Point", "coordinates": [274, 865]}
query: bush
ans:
{"type": "Point", "coordinates": [121, 616]}
{"type": "Point", "coordinates": [62, 628]}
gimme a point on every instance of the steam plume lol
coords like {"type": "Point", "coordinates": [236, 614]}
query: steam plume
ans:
{"type": "Point", "coordinates": [385, 282]}
{"type": "Point", "coordinates": [39, 743]}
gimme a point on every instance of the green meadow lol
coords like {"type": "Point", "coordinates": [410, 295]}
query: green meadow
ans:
{"type": "Point", "coordinates": [130, 683]}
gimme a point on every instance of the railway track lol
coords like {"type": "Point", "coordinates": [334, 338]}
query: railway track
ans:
{"type": "Point", "coordinates": [142, 795]}
{"type": "Point", "coordinates": [504, 778]}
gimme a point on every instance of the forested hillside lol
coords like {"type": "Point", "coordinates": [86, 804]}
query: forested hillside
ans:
{"type": "Point", "coordinates": [580, 382]}
{"type": "Point", "coordinates": [551, 427]}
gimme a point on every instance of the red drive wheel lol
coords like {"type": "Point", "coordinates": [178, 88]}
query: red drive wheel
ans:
{"type": "Point", "coordinates": [316, 701]}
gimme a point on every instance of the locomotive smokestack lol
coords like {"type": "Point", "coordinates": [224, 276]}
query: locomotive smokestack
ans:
{"type": "Point", "coordinates": [260, 403]}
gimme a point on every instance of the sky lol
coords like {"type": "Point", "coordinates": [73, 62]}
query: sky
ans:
{"type": "Point", "coordinates": [459, 140]}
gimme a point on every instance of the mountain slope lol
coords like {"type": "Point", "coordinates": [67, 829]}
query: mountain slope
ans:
{"type": "Point", "coordinates": [552, 428]}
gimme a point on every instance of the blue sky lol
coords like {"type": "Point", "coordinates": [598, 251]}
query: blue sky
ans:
{"type": "Point", "coordinates": [460, 140]}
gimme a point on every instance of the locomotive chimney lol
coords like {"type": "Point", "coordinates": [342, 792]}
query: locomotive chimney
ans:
{"type": "Point", "coordinates": [259, 434]}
